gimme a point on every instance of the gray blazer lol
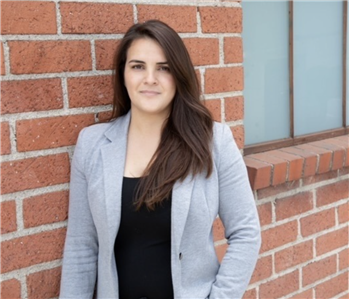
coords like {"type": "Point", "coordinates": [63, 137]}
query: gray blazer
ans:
{"type": "Point", "coordinates": [94, 217]}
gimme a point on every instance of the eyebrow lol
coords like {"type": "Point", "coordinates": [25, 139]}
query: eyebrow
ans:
{"type": "Point", "coordinates": [140, 61]}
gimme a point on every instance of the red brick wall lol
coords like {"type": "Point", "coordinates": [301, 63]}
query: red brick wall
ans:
{"type": "Point", "coordinates": [56, 67]}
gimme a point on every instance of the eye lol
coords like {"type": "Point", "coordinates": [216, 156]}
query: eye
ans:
{"type": "Point", "coordinates": [164, 69]}
{"type": "Point", "coordinates": [137, 67]}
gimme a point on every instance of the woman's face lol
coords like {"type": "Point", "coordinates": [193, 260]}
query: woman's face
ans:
{"type": "Point", "coordinates": [148, 79]}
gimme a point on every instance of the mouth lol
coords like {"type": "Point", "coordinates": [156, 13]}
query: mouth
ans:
{"type": "Point", "coordinates": [149, 92]}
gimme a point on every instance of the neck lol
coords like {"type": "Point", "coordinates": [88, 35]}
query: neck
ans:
{"type": "Point", "coordinates": [147, 124]}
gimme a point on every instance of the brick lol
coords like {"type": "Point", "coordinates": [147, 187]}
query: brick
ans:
{"type": "Point", "coordinates": [294, 255]}
{"type": "Point", "coordinates": [325, 156]}
{"type": "Point", "coordinates": [103, 116]}
{"type": "Point", "coordinates": [259, 173]}
{"type": "Point", "coordinates": [263, 269]}
{"type": "Point", "coordinates": [331, 241]}
{"type": "Point", "coordinates": [233, 50]}
{"type": "Point", "coordinates": [28, 17]}
{"type": "Point", "coordinates": [10, 289]}
{"type": "Point", "coordinates": [265, 213]}
{"type": "Point", "coordinates": [32, 250]}
{"type": "Point", "coordinates": [8, 217]}
{"type": "Point", "coordinates": [105, 52]}
{"type": "Point", "coordinates": [279, 166]}
{"type": "Point", "coordinates": [95, 18]}
{"type": "Point", "coordinates": [332, 287]}
{"type": "Point", "coordinates": [5, 138]}
{"type": "Point", "coordinates": [342, 172]}
{"type": "Point", "coordinates": [293, 205]}
{"type": "Point", "coordinates": [239, 135]}
{"type": "Point", "coordinates": [344, 259]}
{"type": "Point", "coordinates": [317, 222]}
{"type": "Point", "coordinates": [50, 132]}
{"type": "Point", "coordinates": [344, 144]}
{"type": "Point", "coordinates": [338, 153]}
{"type": "Point", "coordinates": [280, 286]}
{"type": "Point", "coordinates": [345, 296]}
{"type": "Point", "coordinates": [203, 51]}
{"type": "Point", "coordinates": [180, 18]}
{"type": "Point", "coordinates": [276, 190]}
{"type": "Point", "coordinates": [234, 108]}
{"type": "Point", "coordinates": [343, 213]}
{"type": "Point", "coordinates": [224, 79]}
{"type": "Point", "coordinates": [331, 193]}
{"type": "Point", "coordinates": [218, 230]}
{"type": "Point", "coordinates": [214, 106]}
{"type": "Point", "coordinates": [221, 19]}
{"type": "Point", "coordinates": [2, 60]}
{"type": "Point", "coordinates": [35, 57]}
{"type": "Point", "coordinates": [250, 294]}
{"type": "Point", "coordinates": [308, 294]}
{"type": "Point", "coordinates": [220, 251]}
{"type": "Point", "coordinates": [310, 163]}
{"type": "Point", "coordinates": [44, 284]}
{"type": "Point", "coordinates": [319, 269]}
{"type": "Point", "coordinates": [33, 173]}
{"type": "Point", "coordinates": [31, 95]}
{"type": "Point", "coordinates": [295, 164]}
{"type": "Point", "coordinates": [45, 209]}
{"type": "Point", "coordinates": [90, 91]}
{"type": "Point", "coordinates": [320, 177]}
{"type": "Point", "coordinates": [279, 235]}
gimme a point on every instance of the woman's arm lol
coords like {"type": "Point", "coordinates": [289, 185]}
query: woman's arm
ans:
{"type": "Point", "coordinates": [238, 213]}
{"type": "Point", "coordinates": [81, 245]}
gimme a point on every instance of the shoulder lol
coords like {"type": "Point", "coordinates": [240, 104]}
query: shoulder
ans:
{"type": "Point", "coordinates": [95, 131]}
{"type": "Point", "coordinates": [104, 132]}
{"type": "Point", "coordinates": [96, 136]}
{"type": "Point", "coordinates": [224, 146]}
{"type": "Point", "coordinates": [221, 133]}
{"type": "Point", "coordinates": [93, 135]}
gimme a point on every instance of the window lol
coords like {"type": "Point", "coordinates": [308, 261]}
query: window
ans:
{"type": "Point", "coordinates": [295, 72]}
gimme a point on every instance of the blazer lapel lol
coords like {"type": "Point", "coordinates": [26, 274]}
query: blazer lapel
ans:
{"type": "Point", "coordinates": [113, 159]}
{"type": "Point", "coordinates": [181, 195]}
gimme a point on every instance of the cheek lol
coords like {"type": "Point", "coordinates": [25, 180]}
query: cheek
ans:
{"type": "Point", "coordinates": [130, 81]}
{"type": "Point", "coordinates": [172, 85]}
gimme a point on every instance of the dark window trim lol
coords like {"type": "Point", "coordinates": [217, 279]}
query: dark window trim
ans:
{"type": "Point", "coordinates": [286, 142]}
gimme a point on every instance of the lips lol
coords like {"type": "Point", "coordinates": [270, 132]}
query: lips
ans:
{"type": "Point", "coordinates": [149, 92]}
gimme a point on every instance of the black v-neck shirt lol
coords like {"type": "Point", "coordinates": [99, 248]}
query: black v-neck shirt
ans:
{"type": "Point", "coordinates": [143, 248]}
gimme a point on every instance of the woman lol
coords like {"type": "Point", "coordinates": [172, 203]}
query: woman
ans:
{"type": "Point", "coordinates": [147, 187]}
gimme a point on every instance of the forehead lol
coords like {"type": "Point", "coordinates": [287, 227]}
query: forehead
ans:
{"type": "Point", "coordinates": [146, 49]}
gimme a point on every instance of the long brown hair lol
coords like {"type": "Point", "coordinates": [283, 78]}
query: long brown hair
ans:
{"type": "Point", "coordinates": [185, 145]}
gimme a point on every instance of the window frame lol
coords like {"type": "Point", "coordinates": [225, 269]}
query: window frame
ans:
{"type": "Point", "coordinates": [296, 140]}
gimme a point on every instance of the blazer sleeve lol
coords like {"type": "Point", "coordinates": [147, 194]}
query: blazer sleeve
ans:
{"type": "Point", "coordinates": [81, 245]}
{"type": "Point", "coordinates": [238, 213]}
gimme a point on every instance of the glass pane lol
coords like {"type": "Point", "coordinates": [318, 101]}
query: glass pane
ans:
{"type": "Point", "coordinates": [266, 92]}
{"type": "Point", "coordinates": [318, 56]}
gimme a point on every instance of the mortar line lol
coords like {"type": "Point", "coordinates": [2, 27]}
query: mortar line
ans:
{"type": "Point", "coordinates": [6, 49]}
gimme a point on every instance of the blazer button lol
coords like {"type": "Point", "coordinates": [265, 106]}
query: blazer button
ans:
{"type": "Point", "coordinates": [180, 255]}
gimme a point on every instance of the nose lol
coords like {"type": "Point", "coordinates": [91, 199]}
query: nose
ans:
{"type": "Point", "coordinates": [150, 77]}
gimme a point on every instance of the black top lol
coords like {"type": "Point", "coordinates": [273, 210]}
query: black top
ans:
{"type": "Point", "coordinates": [143, 248]}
